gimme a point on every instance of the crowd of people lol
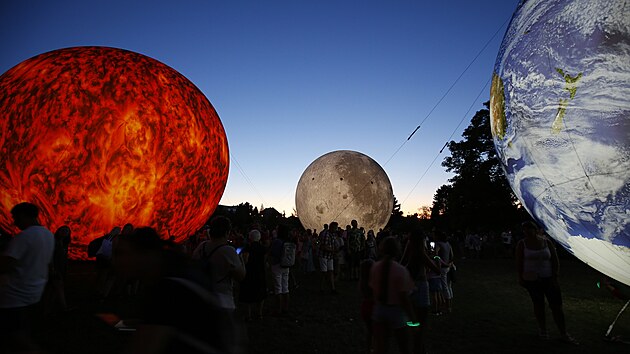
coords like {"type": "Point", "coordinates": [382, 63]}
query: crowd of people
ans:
{"type": "Point", "coordinates": [403, 280]}
{"type": "Point", "coordinates": [399, 289]}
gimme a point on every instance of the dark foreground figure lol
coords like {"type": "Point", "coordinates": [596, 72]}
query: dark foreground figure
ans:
{"type": "Point", "coordinates": [24, 274]}
{"type": "Point", "coordinates": [538, 268]}
{"type": "Point", "coordinates": [178, 314]}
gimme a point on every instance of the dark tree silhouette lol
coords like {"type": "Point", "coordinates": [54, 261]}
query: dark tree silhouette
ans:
{"type": "Point", "coordinates": [478, 196]}
{"type": "Point", "coordinates": [396, 218]}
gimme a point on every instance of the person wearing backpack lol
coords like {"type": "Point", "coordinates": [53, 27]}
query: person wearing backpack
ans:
{"type": "Point", "coordinates": [223, 265]}
{"type": "Point", "coordinates": [282, 257]}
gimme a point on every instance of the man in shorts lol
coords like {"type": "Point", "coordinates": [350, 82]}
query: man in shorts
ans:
{"type": "Point", "coordinates": [327, 252]}
{"type": "Point", "coordinates": [356, 248]}
{"type": "Point", "coordinates": [280, 274]}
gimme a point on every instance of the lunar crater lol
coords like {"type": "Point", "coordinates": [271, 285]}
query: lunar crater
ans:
{"type": "Point", "coordinates": [343, 178]}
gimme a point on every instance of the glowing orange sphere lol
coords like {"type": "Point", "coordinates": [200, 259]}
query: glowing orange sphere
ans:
{"type": "Point", "coordinates": [98, 137]}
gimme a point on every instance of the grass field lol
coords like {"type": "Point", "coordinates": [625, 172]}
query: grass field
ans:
{"type": "Point", "coordinates": [491, 314]}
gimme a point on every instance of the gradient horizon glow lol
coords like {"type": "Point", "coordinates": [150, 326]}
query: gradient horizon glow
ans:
{"type": "Point", "coordinates": [294, 80]}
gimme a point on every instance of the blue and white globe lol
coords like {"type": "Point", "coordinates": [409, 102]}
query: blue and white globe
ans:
{"type": "Point", "coordinates": [560, 117]}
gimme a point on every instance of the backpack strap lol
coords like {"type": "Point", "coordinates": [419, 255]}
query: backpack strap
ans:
{"type": "Point", "coordinates": [203, 250]}
{"type": "Point", "coordinates": [207, 257]}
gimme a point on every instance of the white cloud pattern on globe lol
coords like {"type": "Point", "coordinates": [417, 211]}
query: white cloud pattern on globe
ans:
{"type": "Point", "coordinates": [560, 114]}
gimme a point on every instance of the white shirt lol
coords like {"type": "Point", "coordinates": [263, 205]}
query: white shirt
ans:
{"type": "Point", "coordinates": [222, 260]}
{"type": "Point", "coordinates": [537, 261]}
{"type": "Point", "coordinates": [33, 251]}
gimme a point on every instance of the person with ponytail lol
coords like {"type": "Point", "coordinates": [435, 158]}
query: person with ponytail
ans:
{"type": "Point", "coordinates": [391, 285]}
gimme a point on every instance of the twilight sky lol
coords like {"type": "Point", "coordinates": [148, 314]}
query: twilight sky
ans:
{"type": "Point", "coordinates": [293, 80]}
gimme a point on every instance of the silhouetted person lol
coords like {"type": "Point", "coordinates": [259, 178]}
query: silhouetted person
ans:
{"type": "Point", "coordinates": [340, 262]}
{"type": "Point", "coordinates": [444, 250]}
{"type": "Point", "coordinates": [417, 261]}
{"type": "Point", "coordinates": [356, 249]}
{"type": "Point", "coordinates": [226, 266]}
{"type": "Point", "coordinates": [105, 275]}
{"type": "Point", "coordinates": [122, 286]}
{"type": "Point", "coordinates": [371, 251]}
{"type": "Point", "coordinates": [178, 314]}
{"type": "Point", "coordinates": [253, 287]}
{"type": "Point", "coordinates": [280, 273]}
{"type": "Point", "coordinates": [59, 270]}
{"type": "Point", "coordinates": [327, 252]}
{"type": "Point", "coordinates": [24, 273]}
{"type": "Point", "coordinates": [307, 252]}
{"type": "Point", "coordinates": [538, 266]}
{"type": "Point", "coordinates": [391, 285]}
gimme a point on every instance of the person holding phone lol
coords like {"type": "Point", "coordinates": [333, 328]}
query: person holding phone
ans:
{"type": "Point", "coordinates": [227, 266]}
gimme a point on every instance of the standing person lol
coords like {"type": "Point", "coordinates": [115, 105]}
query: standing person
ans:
{"type": "Point", "coordinates": [355, 249]}
{"type": "Point", "coordinates": [280, 271]}
{"type": "Point", "coordinates": [105, 273]}
{"type": "Point", "coordinates": [307, 253]}
{"type": "Point", "coordinates": [294, 240]}
{"type": "Point", "coordinates": [225, 265]}
{"type": "Point", "coordinates": [370, 246]}
{"type": "Point", "coordinates": [340, 263]}
{"type": "Point", "coordinates": [417, 261]}
{"type": "Point", "coordinates": [122, 286]}
{"type": "Point", "coordinates": [434, 277]}
{"type": "Point", "coordinates": [177, 313]}
{"type": "Point", "coordinates": [59, 269]}
{"type": "Point", "coordinates": [254, 287]}
{"type": "Point", "coordinates": [317, 245]}
{"type": "Point", "coordinates": [391, 285]}
{"type": "Point", "coordinates": [444, 250]}
{"type": "Point", "coordinates": [538, 266]}
{"type": "Point", "coordinates": [24, 273]}
{"type": "Point", "coordinates": [363, 238]}
{"type": "Point", "coordinates": [327, 253]}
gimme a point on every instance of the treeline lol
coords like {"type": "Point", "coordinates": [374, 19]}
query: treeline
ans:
{"type": "Point", "coordinates": [478, 197]}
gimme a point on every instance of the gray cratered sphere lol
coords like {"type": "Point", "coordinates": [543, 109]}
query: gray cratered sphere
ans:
{"type": "Point", "coordinates": [341, 186]}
